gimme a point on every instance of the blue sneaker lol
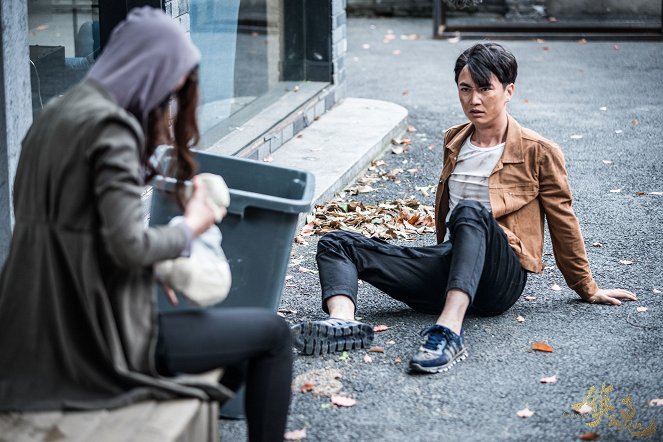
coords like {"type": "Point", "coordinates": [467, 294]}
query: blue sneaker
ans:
{"type": "Point", "coordinates": [331, 336]}
{"type": "Point", "coordinates": [441, 349]}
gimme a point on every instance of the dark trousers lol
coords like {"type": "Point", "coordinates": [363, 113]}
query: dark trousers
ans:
{"type": "Point", "coordinates": [248, 342]}
{"type": "Point", "coordinates": [477, 260]}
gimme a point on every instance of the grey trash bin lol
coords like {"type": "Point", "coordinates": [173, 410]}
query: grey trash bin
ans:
{"type": "Point", "coordinates": [258, 231]}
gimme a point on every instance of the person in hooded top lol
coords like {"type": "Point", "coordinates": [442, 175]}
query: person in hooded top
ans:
{"type": "Point", "coordinates": [79, 328]}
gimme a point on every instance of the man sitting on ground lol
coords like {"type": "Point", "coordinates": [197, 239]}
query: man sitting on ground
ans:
{"type": "Point", "coordinates": [498, 183]}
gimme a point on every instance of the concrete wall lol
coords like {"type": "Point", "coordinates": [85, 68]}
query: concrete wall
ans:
{"type": "Point", "coordinates": [413, 8]}
{"type": "Point", "coordinates": [603, 8]}
{"type": "Point", "coordinates": [514, 8]}
{"type": "Point", "coordinates": [15, 106]}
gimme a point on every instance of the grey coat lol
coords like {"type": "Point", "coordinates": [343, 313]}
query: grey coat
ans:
{"type": "Point", "coordinates": [77, 299]}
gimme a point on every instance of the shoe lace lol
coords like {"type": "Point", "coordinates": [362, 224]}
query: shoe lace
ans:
{"type": "Point", "coordinates": [435, 336]}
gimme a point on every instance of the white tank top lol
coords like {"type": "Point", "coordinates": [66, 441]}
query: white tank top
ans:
{"type": "Point", "coordinates": [469, 179]}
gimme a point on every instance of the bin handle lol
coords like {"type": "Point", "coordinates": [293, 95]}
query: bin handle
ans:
{"type": "Point", "coordinates": [240, 200]}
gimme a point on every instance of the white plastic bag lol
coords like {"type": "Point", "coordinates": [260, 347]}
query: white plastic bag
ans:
{"type": "Point", "coordinates": [203, 277]}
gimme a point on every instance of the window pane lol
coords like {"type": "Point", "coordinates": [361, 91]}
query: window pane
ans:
{"type": "Point", "coordinates": [64, 41]}
{"type": "Point", "coordinates": [240, 71]}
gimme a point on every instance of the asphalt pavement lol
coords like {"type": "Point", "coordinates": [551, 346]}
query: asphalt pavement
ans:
{"type": "Point", "coordinates": [602, 102]}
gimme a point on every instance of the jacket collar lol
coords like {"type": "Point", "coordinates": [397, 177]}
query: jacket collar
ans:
{"type": "Point", "coordinates": [513, 149]}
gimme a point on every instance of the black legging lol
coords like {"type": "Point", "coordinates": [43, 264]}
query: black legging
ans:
{"type": "Point", "coordinates": [477, 260]}
{"type": "Point", "coordinates": [242, 340]}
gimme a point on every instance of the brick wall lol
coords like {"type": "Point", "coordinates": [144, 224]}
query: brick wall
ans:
{"type": "Point", "coordinates": [179, 10]}
{"type": "Point", "coordinates": [318, 105]}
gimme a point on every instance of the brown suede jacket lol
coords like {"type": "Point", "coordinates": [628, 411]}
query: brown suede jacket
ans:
{"type": "Point", "coordinates": [528, 183]}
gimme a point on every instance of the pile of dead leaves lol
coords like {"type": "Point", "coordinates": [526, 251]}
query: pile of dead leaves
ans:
{"type": "Point", "coordinates": [387, 220]}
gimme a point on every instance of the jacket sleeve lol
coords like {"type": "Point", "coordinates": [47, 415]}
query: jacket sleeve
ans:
{"type": "Point", "coordinates": [115, 169]}
{"type": "Point", "coordinates": [567, 241]}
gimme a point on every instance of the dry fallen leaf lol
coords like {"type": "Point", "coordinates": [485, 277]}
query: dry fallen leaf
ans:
{"type": "Point", "coordinates": [343, 401]}
{"type": "Point", "coordinates": [542, 346]}
{"type": "Point", "coordinates": [549, 380]}
{"type": "Point", "coordinates": [597, 244]}
{"type": "Point", "coordinates": [642, 309]}
{"type": "Point", "coordinates": [397, 150]}
{"type": "Point", "coordinates": [656, 403]}
{"type": "Point", "coordinates": [380, 328]}
{"type": "Point", "coordinates": [295, 434]}
{"type": "Point", "coordinates": [625, 262]}
{"type": "Point", "coordinates": [424, 189]}
{"type": "Point", "coordinates": [376, 349]}
{"type": "Point", "coordinates": [411, 128]}
{"type": "Point", "coordinates": [397, 360]}
{"type": "Point", "coordinates": [324, 381]}
{"type": "Point", "coordinates": [520, 319]}
{"type": "Point", "coordinates": [307, 387]}
{"type": "Point", "coordinates": [555, 288]}
{"type": "Point", "coordinates": [584, 409]}
{"type": "Point", "coordinates": [368, 359]}
{"type": "Point", "coordinates": [530, 298]}
{"type": "Point", "coordinates": [589, 436]}
{"type": "Point", "coordinates": [308, 229]}
{"type": "Point", "coordinates": [525, 413]}
{"type": "Point", "coordinates": [398, 219]}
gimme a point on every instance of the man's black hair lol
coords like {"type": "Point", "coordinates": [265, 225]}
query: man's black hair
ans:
{"type": "Point", "coordinates": [485, 58]}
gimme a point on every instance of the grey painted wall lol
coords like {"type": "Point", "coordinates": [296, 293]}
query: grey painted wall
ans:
{"type": "Point", "coordinates": [15, 105]}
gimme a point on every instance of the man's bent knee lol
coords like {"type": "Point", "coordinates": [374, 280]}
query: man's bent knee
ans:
{"type": "Point", "coordinates": [333, 240]}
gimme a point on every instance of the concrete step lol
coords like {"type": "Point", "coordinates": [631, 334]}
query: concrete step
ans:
{"type": "Point", "coordinates": [339, 146]}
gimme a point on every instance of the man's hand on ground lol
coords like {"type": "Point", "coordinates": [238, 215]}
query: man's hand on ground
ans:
{"type": "Point", "coordinates": [611, 296]}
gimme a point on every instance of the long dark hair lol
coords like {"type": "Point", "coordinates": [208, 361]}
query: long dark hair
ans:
{"type": "Point", "coordinates": [181, 132]}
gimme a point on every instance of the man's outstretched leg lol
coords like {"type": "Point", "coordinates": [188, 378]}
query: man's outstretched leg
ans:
{"type": "Point", "coordinates": [339, 332]}
{"type": "Point", "coordinates": [410, 274]}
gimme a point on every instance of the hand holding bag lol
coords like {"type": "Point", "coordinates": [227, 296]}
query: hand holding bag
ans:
{"type": "Point", "coordinates": [204, 276]}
